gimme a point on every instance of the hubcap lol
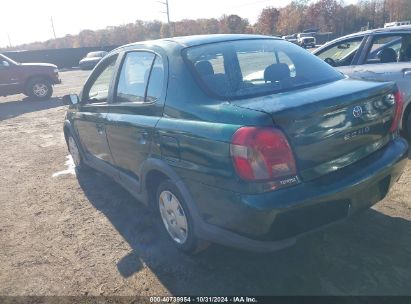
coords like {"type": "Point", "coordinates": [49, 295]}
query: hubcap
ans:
{"type": "Point", "coordinates": [173, 217]}
{"type": "Point", "coordinates": [75, 154]}
{"type": "Point", "coordinates": [40, 89]}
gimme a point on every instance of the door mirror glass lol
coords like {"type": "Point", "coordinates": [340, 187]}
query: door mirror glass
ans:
{"type": "Point", "coordinates": [4, 64]}
{"type": "Point", "coordinates": [71, 99]}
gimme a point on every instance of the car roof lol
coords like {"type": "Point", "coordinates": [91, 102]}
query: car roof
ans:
{"type": "Point", "coordinates": [394, 29]}
{"type": "Point", "coordinates": [187, 41]}
{"type": "Point", "coordinates": [194, 40]}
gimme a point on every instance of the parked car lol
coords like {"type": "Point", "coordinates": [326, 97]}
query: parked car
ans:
{"type": "Point", "coordinates": [306, 40]}
{"type": "Point", "coordinates": [291, 38]}
{"type": "Point", "coordinates": [35, 80]}
{"type": "Point", "coordinates": [242, 161]}
{"type": "Point", "coordinates": [380, 55]}
{"type": "Point", "coordinates": [91, 59]}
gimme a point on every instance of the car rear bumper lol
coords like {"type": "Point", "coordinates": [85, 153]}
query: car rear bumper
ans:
{"type": "Point", "coordinates": [272, 220]}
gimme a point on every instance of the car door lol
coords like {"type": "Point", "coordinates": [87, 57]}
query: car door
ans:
{"type": "Point", "coordinates": [388, 58]}
{"type": "Point", "coordinates": [137, 107]}
{"type": "Point", "coordinates": [9, 77]}
{"type": "Point", "coordinates": [89, 121]}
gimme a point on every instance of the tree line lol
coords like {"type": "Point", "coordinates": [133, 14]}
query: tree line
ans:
{"type": "Point", "coordinates": [322, 15]}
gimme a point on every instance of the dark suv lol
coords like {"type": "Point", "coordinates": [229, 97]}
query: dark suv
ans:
{"type": "Point", "coordinates": [35, 80]}
{"type": "Point", "coordinates": [243, 140]}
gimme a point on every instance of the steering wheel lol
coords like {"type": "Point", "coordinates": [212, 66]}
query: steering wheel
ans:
{"type": "Point", "coordinates": [330, 61]}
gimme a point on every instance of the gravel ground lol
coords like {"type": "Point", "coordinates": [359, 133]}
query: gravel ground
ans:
{"type": "Point", "coordinates": [85, 235]}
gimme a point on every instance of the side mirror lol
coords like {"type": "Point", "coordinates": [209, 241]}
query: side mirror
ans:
{"type": "Point", "coordinates": [4, 64]}
{"type": "Point", "coordinates": [71, 99]}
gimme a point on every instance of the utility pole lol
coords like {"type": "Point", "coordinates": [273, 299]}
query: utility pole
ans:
{"type": "Point", "coordinates": [168, 15]}
{"type": "Point", "coordinates": [8, 36]}
{"type": "Point", "coordinates": [52, 26]}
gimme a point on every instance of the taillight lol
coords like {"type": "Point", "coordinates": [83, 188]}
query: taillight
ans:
{"type": "Point", "coordinates": [399, 104]}
{"type": "Point", "coordinates": [262, 154]}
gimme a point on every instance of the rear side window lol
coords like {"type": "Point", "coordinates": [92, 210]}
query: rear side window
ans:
{"type": "Point", "coordinates": [390, 48]}
{"type": "Point", "coordinates": [385, 49]}
{"type": "Point", "coordinates": [246, 68]}
{"type": "Point", "coordinates": [134, 76]}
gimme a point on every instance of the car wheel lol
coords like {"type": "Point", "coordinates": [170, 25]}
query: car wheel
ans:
{"type": "Point", "coordinates": [74, 152]}
{"type": "Point", "coordinates": [39, 89]}
{"type": "Point", "coordinates": [176, 219]}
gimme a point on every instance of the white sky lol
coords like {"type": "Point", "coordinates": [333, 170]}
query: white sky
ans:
{"type": "Point", "coordinates": [28, 20]}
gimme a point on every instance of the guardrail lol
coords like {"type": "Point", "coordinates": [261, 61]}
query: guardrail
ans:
{"type": "Point", "coordinates": [63, 58]}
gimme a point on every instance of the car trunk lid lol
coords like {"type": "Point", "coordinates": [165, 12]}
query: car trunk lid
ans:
{"type": "Point", "coordinates": [333, 125]}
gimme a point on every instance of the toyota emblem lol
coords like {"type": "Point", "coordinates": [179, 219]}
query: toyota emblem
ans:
{"type": "Point", "coordinates": [357, 111]}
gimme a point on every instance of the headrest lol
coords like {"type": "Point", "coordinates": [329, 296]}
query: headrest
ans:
{"type": "Point", "coordinates": [388, 55]}
{"type": "Point", "coordinates": [204, 68]}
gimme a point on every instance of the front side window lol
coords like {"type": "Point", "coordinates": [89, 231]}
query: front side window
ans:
{"type": "Point", "coordinates": [134, 77]}
{"type": "Point", "coordinates": [341, 53]}
{"type": "Point", "coordinates": [100, 87]}
{"type": "Point", "coordinates": [246, 68]}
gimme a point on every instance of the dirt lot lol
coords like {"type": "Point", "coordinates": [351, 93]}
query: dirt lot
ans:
{"type": "Point", "coordinates": [84, 235]}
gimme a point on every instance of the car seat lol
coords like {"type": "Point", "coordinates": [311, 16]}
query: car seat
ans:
{"type": "Point", "coordinates": [388, 55]}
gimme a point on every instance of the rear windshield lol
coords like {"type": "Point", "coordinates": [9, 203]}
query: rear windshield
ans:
{"type": "Point", "coordinates": [246, 68]}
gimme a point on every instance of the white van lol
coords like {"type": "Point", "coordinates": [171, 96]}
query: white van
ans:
{"type": "Point", "coordinates": [397, 23]}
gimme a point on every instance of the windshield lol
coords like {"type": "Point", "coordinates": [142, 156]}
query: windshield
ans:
{"type": "Point", "coordinates": [246, 68]}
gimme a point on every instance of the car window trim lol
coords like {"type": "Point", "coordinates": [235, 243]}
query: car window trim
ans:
{"type": "Point", "coordinates": [359, 55]}
{"type": "Point", "coordinates": [118, 73]}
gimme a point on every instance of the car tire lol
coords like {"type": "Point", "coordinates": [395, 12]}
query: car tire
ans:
{"type": "Point", "coordinates": [75, 152]}
{"type": "Point", "coordinates": [407, 126]}
{"type": "Point", "coordinates": [39, 89]}
{"type": "Point", "coordinates": [176, 219]}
